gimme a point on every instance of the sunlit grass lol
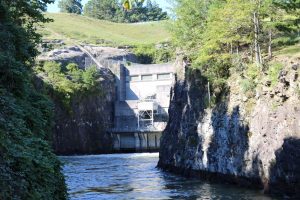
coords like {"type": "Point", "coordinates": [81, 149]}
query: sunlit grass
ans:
{"type": "Point", "coordinates": [93, 31]}
{"type": "Point", "coordinates": [289, 51]}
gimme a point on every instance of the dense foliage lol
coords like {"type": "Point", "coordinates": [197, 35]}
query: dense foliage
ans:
{"type": "Point", "coordinates": [112, 10]}
{"type": "Point", "coordinates": [70, 6]}
{"type": "Point", "coordinates": [28, 168]}
{"type": "Point", "coordinates": [65, 82]}
{"type": "Point", "coordinates": [220, 35]}
{"type": "Point", "coordinates": [149, 54]}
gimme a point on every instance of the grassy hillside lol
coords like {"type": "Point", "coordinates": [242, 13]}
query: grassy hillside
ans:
{"type": "Point", "coordinates": [95, 31]}
{"type": "Point", "coordinates": [292, 51]}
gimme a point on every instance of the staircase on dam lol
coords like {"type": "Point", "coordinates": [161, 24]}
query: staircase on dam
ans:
{"type": "Point", "coordinates": [142, 102]}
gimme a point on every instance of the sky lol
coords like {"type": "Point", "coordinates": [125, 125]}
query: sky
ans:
{"type": "Point", "coordinates": [53, 7]}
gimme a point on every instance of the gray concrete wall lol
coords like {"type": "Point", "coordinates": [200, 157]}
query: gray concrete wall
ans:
{"type": "Point", "coordinates": [136, 82]}
{"type": "Point", "coordinates": [138, 88]}
{"type": "Point", "coordinates": [139, 69]}
{"type": "Point", "coordinates": [136, 142]}
{"type": "Point", "coordinates": [122, 86]}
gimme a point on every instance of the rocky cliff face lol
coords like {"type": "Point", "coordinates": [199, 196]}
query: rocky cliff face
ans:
{"type": "Point", "coordinates": [84, 127]}
{"type": "Point", "coordinates": [107, 56]}
{"type": "Point", "coordinates": [253, 142]}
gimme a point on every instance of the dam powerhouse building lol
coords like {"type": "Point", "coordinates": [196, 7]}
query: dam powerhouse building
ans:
{"type": "Point", "coordinates": [141, 106]}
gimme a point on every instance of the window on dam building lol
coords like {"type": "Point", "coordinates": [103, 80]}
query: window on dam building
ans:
{"type": "Point", "coordinates": [148, 77]}
{"type": "Point", "coordinates": [163, 76]}
{"type": "Point", "coordinates": [134, 78]}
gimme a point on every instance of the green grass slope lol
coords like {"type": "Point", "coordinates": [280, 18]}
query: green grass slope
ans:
{"type": "Point", "coordinates": [93, 31]}
{"type": "Point", "coordinates": [292, 51]}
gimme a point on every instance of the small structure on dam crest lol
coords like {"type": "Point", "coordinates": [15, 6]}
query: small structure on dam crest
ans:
{"type": "Point", "coordinates": [141, 108]}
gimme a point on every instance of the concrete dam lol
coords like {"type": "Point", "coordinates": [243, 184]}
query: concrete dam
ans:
{"type": "Point", "coordinates": [138, 101]}
{"type": "Point", "coordinates": [141, 108]}
{"type": "Point", "coordinates": [142, 101]}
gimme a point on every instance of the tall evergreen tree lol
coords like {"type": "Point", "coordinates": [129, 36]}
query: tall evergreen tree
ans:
{"type": "Point", "coordinates": [70, 6]}
{"type": "Point", "coordinates": [154, 12]}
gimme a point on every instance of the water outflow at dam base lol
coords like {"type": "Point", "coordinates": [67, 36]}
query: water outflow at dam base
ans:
{"type": "Point", "coordinates": [136, 142]}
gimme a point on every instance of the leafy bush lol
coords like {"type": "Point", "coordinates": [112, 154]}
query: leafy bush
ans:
{"type": "Point", "coordinates": [248, 87]}
{"type": "Point", "coordinates": [148, 54]}
{"type": "Point", "coordinates": [273, 72]}
{"type": "Point", "coordinates": [252, 72]}
{"type": "Point", "coordinates": [66, 82]}
{"type": "Point", "coordinates": [28, 168]}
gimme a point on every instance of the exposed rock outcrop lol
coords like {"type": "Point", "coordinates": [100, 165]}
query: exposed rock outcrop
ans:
{"type": "Point", "coordinates": [107, 56]}
{"type": "Point", "coordinates": [84, 127]}
{"type": "Point", "coordinates": [253, 142]}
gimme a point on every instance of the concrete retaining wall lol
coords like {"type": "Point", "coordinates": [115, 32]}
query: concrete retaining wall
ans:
{"type": "Point", "coordinates": [136, 142]}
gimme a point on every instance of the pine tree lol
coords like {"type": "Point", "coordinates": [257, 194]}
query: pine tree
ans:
{"type": "Point", "coordinates": [70, 6]}
{"type": "Point", "coordinates": [102, 9]}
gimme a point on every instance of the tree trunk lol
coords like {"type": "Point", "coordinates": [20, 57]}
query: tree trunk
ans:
{"type": "Point", "coordinates": [256, 40]}
{"type": "Point", "coordinates": [252, 53]}
{"type": "Point", "coordinates": [270, 53]}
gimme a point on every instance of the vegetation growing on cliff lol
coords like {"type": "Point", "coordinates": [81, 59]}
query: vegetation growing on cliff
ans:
{"type": "Point", "coordinates": [28, 168]}
{"type": "Point", "coordinates": [235, 35]}
{"type": "Point", "coordinates": [148, 54]}
{"type": "Point", "coordinates": [64, 82]}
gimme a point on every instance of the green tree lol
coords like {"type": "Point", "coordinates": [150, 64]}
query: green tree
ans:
{"type": "Point", "coordinates": [288, 24]}
{"type": "Point", "coordinates": [102, 9]}
{"type": "Point", "coordinates": [70, 6]}
{"type": "Point", "coordinates": [28, 168]}
{"type": "Point", "coordinates": [191, 16]}
{"type": "Point", "coordinates": [219, 34]}
{"type": "Point", "coordinates": [225, 33]}
{"type": "Point", "coordinates": [141, 12]}
{"type": "Point", "coordinates": [129, 11]}
{"type": "Point", "coordinates": [154, 12]}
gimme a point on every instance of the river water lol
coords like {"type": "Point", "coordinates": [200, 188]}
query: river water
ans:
{"type": "Point", "coordinates": [135, 176]}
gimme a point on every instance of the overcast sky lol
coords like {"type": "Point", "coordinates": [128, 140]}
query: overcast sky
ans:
{"type": "Point", "coordinates": [54, 8]}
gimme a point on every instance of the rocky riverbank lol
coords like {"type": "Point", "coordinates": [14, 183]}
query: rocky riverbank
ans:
{"type": "Point", "coordinates": [247, 141]}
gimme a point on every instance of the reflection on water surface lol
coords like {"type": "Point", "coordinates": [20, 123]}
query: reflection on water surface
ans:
{"type": "Point", "coordinates": [135, 176]}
